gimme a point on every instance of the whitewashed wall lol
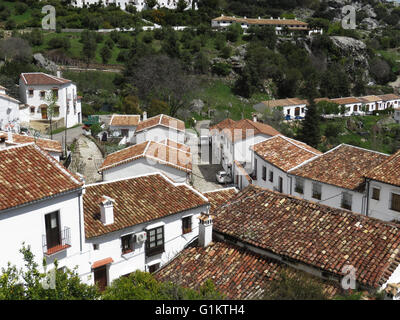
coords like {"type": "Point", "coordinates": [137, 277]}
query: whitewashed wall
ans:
{"type": "Point", "coordinates": [381, 208]}
{"type": "Point", "coordinates": [9, 113]}
{"type": "Point", "coordinates": [131, 132]}
{"type": "Point", "coordinates": [159, 133]}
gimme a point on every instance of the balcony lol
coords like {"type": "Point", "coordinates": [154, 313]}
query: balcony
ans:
{"type": "Point", "coordinates": [58, 242]}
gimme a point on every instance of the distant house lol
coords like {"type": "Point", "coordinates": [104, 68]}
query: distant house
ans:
{"type": "Point", "coordinates": [336, 178]}
{"type": "Point", "coordinates": [53, 147]}
{"type": "Point", "coordinates": [138, 223]}
{"type": "Point", "coordinates": [390, 100]}
{"type": "Point", "coordinates": [259, 232]}
{"type": "Point", "coordinates": [9, 112]}
{"type": "Point", "coordinates": [148, 157]}
{"type": "Point", "coordinates": [231, 141]}
{"type": "Point", "coordinates": [35, 91]}
{"type": "Point", "coordinates": [279, 24]}
{"type": "Point", "coordinates": [159, 128]}
{"type": "Point", "coordinates": [397, 115]}
{"type": "Point", "coordinates": [292, 108]}
{"type": "Point", "coordinates": [124, 126]}
{"type": "Point", "coordinates": [351, 105]}
{"type": "Point", "coordinates": [372, 103]}
{"type": "Point", "coordinates": [274, 157]}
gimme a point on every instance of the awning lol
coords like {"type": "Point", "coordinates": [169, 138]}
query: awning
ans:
{"type": "Point", "coordinates": [103, 262]}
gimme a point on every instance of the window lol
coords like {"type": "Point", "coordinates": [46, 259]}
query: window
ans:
{"type": "Point", "coordinates": [154, 267]}
{"type": "Point", "coordinates": [127, 244]}
{"type": "Point", "coordinates": [316, 191]}
{"type": "Point", "coordinates": [264, 173]}
{"type": "Point", "coordinates": [32, 109]}
{"type": "Point", "coordinates": [42, 94]}
{"type": "Point", "coordinates": [299, 187]}
{"type": "Point", "coordinates": [53, 236]}
{"type": "Point", "coordinates": [96, 246]}
{"type": "Point", "coordinates": [395, 202]}
{"type": "Point", "coordinates": [155, 241]}
{"type": "Point", "coordinates": [346, 200]}
{"type": "Point", "coordinates": [376, 193]}
{"type": "Point", "coordinates": [271, 176]}
{"type": "Point", "coordinates": [187, 225]}
{"type": "Point", "coordinates": [30, 92]}
{"type": "Point", "coordinates": [255, 168]}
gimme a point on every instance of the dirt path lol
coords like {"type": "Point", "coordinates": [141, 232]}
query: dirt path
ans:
{"type": "Point", "coordinates": [87, 159]}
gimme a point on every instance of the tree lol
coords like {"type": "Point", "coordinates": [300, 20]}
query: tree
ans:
{"type": "Point", "coordinates": [105, 54]}
{"type": "Point", "coordinates": [157, 107]}
{"type": "Point", "coordinates": [170, 44]}
{"type": "Point", "coordinates": [51, 99]}
{"type": "Point", "coordinates": [151, 3]}
{"type": "Point", "coordinates": [128, 105]}
{"type": "Point", "coordinates": [181, 5]}
{"type": "Point", "coordinates": [88, 39]}
{"type": "Point", "coordinates": [143, 286]}
{"type": "Point", "coordinates": [30, 283]}
{"type": "Point", "coordinates": [295, 286]}
{"type": "Point", "coordinates": [15, 49]}
{"type": "Point", "coordinates": [234, 32]}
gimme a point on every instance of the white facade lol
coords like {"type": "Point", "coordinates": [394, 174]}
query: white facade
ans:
{"type": "Point", "coordinates": [139, 4]}
{"type": "Point", "coordinates": [380, 207]}
{"type": "Point", "coordinates": [397, 115]}
{"type": "Point", "coordinates": [36, 98]}
{"type": "Point", "coordinates": [9, 113]}
{"type": "Point", "coordinates": [124, 131]}
{"type": "Point", "coordinates": [144, 166]}
{"type": "Point", "coordinates": [159, 133]}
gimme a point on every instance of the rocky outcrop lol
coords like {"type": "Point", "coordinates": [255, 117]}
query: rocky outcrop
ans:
{"type": "Point", "coordinates": [47, 64]}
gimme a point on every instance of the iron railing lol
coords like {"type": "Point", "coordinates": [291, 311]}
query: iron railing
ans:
{"type": "Point", "coordinates": [63, 243]}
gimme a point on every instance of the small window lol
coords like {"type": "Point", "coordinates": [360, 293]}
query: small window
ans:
{"type": "Point", "coordinates": [96, 246]}
{"type": "Point", "coordinates": [32, 109]}
{"type": "Point", "coordinates": [346, 200]}
{"type": "Point", "coordinates": [316, 191]}
{"type": "Point", "coordinates": [264, 173]}
{"type": "Point", "coordinates": [255, 168]}
{"type": "Point", "coordinates": [299, 187]}
{"type": "Point", "coordinates": [42, 94]}
{"type": "Point", "coordinates": [187, 225]}
{"type": "Point", "coordinates": [271, 176]}
{"type": "Point", "coordinates": [155, 241]}
{"type": "Point", "coordinates": [30, 92]}
{"type": "Point", "coordinates": [395, 202]}
{"type": "Point", "coordinates": [127, 244]}
{"type": "Point", "coordinates": [154, 267]}
{"type": "Point", "coordinates": [376, 193]}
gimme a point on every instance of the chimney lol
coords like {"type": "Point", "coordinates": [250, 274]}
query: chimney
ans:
{"type": "Point", "coordinates": [272, 18]}
{"type": "Point", "coordinates": [205, 229]}
{"type": "Point", "coordinates": [255, 117]}
{"type": "Point", "coordinates": [106, 210]}
{"type": "Point", "coordinates": [58, 74]}
{"type": "Point", "coordinates": [144, 115]}
{"type": "Point", "coordinates": [259, 18]}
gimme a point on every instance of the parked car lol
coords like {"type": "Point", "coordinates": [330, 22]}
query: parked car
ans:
{"type": "Point", "coordinates": [223, 177]}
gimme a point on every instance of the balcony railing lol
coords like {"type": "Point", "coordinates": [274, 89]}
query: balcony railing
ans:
{"type": "Point", "coordinates": [63, 243]}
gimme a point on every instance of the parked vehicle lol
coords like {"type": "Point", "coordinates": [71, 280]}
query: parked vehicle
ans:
{"type": "Point", "coordinates": [223, 177]}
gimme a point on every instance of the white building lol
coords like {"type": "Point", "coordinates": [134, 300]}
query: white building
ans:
{"type": "Point", "coordinates": [41, 206]}
{"type": "Point", "coordinates": [35, 91]}
{"type": "Point", "coordinates": [124, 126]}
{"type": "Point", "coordinates": [159, 128]}
{"type": "Point", "coordinates": [273, 158]}
{"type": "Point", "coordinates": [9, 111]}
{"type": "Point", "coordinates": [390, 100]}
{"type": "Point", "coordinates": [148, 157]}
{"type": "Point", "coordinates": [139, 223]}
{"type": "Point", "coordinates": [53, 147]}
{"type": "Point", "coordinates": [231, 141]}
{"type": "Point", "coordinates": [292, 108]}
{"type": "Point", "coordinates": [336, 178]}
{"type": "Point", "coordinates": [139, 4]}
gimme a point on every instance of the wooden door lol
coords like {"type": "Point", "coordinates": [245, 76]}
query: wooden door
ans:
{"type": "Point", "coordinates": [52, 230]}
{"type": "Point", "coordinates": [280, 184]}
{"type": "Point", "coordinates": [100, 277]}
{"type": "Point", "coordinates": [44, 113]}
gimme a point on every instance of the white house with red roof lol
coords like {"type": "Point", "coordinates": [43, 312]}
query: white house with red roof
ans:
{"type": "Point", "coordinates": [36, 89]}
{"type": "Point", "coordinates": [138, 223]}
{"type": "Point", "coordinates": [40, 206]}
{"type": "Point", "coordinates": [124, 125]}
{"type": "Point", "coordinates": [9, 111]}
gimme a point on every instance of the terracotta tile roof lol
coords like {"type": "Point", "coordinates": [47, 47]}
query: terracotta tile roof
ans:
{"type": "Point", "coordinates": [317, 235]}
{"type": "Point", "coordinates": [242, 171]}
{"type": "Point", "coordinates": [390, 96]}
{"type": "Point", "coordinates": [343, 166]}
{"type": "Point", "coordinates": [7, 97]}
{"type": "Point", "coordinates": [238, 130]}
{"type": "Point", "coordinates": [161, 120]}
{"type": "Point", "coordinates": [45, 144]}
{"type": "Point", "coordinates": [124, 120]}
{"type": "Point", "coordinates": [177, 145]}
{"type": "Point", "coordinates": [348, 100]}
{"type": "Point", "coordinates": [283, 152]}
{"type": "Point", "coordinates": [285, 102]}
{"type": "Point", "coordinates": [387, 171]}
{"type": "Point", "coordinates": [137, 200]}
{"type": "Point", "coordinates": [40, 78]}
{"type": "Point", "coordinates": [368, 99]}
{"type": "Point", "coordinates": [236, 272]}
{"type": "Point", "coordinates": [288, 22]}
{"type": "Point", "coordinates": [102, 262]}
{"type": "Point", "coordinates": [219, 197]}
{"type": "Point", "coordinates": [29, 174]}
{"type": "Point", "coordinates": [159, 152]}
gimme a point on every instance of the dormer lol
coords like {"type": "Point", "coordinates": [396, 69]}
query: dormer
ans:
{"type": "Point", "coordinates": [106, 210]}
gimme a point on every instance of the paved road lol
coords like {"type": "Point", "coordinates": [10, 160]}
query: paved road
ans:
{"type": "Point", "coordinates": [72, 134]}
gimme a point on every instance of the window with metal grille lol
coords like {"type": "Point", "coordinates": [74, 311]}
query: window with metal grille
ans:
{"type": "Point", "coordinates": [155, 241]}
{"type": "Point", "coordinates": [316, 191]}
{"type": "Point", "coordinates": [395, 202]}
{"type": "Point", "coordinates": [346, 200]}
{"type": "Point", "coordinates": [127, 244]}
{"type": "Point", "coordinates": [187, 225]}
{"type": "Point", "coordinates": [376, 193]}
{"type": "Point", "coordinates": [299, 187]}
{"type": "Point", "coordinates": [264, 173]}
{"type": "Point", "coordinates": [271, 176]}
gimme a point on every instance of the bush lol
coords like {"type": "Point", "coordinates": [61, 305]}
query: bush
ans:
{"type": "Point", "coordinates": [221, 69]}
{"type": "Point", "coordinates": [147, 37]}
{"type": "Point", "coordinates": [59, 42]}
